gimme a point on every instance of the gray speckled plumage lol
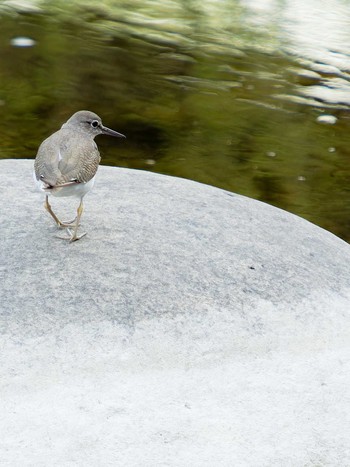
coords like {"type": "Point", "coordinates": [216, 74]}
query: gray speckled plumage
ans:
{"type": "Point", "coordinates": [67, 161]}
{"type": "Point", "coordinates": [71, 154]}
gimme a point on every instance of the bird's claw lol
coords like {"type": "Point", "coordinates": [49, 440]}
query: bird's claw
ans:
{"type": "Point", "coordinates": [73, 237]}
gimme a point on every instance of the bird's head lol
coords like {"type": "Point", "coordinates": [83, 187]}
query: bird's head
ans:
{"type": "Point", "coordinates": [89, 123]}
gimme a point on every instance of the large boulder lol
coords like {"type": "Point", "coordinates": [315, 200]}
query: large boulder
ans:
{"type": "Point", "coordinates": [191, 326]}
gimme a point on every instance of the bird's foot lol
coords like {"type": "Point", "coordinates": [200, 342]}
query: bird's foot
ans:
{"type": "Point", "coordinates": [62, 238]}
{"type": "Point", "coordinates": [72, 236]}
{"type": "Point", "coordinates": [66, 224]}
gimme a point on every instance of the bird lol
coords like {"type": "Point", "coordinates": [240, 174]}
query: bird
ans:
{"type": "Point", "coordinates": [66, 164]}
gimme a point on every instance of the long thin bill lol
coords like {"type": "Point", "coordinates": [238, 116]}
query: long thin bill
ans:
{"type": "Point", "coordinates": [108, 131]}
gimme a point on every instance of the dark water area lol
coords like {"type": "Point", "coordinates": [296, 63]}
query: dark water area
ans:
{"type": "Point", "coordinates": [249, 96]}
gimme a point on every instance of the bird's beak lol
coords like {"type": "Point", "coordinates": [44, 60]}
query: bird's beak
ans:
{"type": "Point", "coordinates": [108, 131]}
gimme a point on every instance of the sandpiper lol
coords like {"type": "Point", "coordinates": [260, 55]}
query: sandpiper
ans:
{"type": "Point", "coordinates": [67, 162]}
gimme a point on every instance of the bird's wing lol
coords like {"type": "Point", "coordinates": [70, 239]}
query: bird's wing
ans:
{"type": "Point", "coordinates": [64, 158]}
{"type": "Point", "coordinates": [46, 164]}
{"type": "Point", "coordinates": [79, 159]}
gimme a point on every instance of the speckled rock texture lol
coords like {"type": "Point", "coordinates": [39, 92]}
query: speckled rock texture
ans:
{"type": "Point", "coordinates": [190, 327]}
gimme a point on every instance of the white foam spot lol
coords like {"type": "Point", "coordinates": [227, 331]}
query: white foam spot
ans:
{"type": "Point", "coordinates": [22, 42]}
{"type": "Point", "coordinates": [327, 119]}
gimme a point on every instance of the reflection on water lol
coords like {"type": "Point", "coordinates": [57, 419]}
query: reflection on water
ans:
{"type": "Point", "coordinates": [250, 96]}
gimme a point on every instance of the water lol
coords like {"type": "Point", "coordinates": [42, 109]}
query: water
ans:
{"type": "Point", "coordinates": [250, 96]}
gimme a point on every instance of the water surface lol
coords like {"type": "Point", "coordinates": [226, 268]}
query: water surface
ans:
{"type": "Point", "coordinates": [249, 96]}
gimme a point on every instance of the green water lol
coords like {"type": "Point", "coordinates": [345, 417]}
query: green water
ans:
{"type": "Point", "coordinates": [224, 93]}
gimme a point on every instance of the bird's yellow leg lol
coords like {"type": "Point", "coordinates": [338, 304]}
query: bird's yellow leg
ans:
{"type": "Point", "coordinates": [48, 208]}
{"type": "Point", "coordinates": [74, 236]}
{"type": "Point", "coordinates": [60, 224]}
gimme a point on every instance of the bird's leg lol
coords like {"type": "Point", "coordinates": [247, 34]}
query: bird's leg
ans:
{"type": "Point", "coordinates": [74, 236]}
{"type": "Point", "coordinates": [60, 224]}
{"type": "Point", "coordinates": [47, 206]}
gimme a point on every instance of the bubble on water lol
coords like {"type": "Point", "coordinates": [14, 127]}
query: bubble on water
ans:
{"type": "Point", "coordinates": [327, 119]}
{"type": "Point", "coordinates": [22, 42]}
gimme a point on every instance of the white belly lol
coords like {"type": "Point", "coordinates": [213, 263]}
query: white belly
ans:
{"type": "Point", "coordinates": [78, 190]}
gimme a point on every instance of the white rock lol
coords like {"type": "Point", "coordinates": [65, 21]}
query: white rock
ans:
{"type": "Point", "coordinates": [192, 326]}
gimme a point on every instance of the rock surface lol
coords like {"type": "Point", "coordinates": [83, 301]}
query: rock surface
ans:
{"type": "Point", "coordinates": [190, 327]}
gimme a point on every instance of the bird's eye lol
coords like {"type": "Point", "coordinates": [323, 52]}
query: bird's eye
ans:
{"type": "Point", "coordinates": [94, 124]}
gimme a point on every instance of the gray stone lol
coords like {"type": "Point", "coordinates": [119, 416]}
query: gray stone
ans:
{"type": "Point", "coordinates": [191, 326]}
